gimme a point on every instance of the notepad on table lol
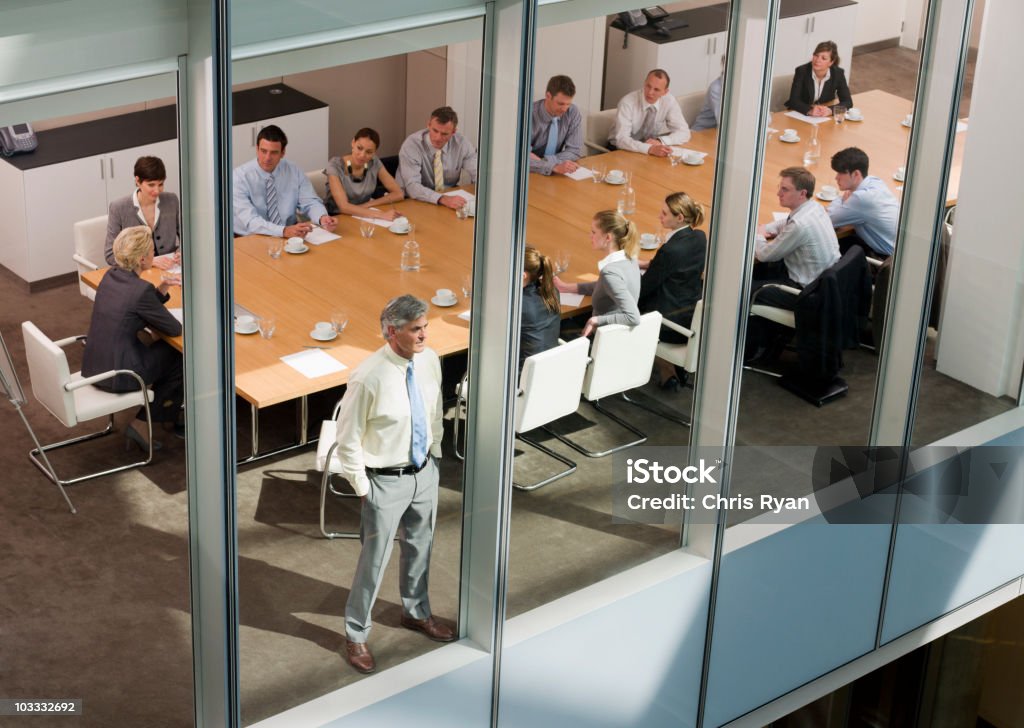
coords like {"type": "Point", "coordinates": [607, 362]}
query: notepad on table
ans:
{"type": "Point", "coordinates": [580, 174]}
{"type": "Point", "coordinates": [809, 119]}
{"type": "Point", "coordinates": [570, 299]}
{"type": "Point", "coordinates": [319, 236]}
{"type": "Point", "coordinates": [313, 363]}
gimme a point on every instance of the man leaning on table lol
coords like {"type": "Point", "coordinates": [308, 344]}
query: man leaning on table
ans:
{"type": "Point", "coordinates": [866, 203]}
{"type": "Point", "coordinates": [389, 445]}
{"type": "Point", "coordinates": [432, 159]}
{"type": "Point", "coordinates": [556, 129]}
{"type": "Point", "coordinates": [269, 189]}
{"type": "Point", "coordinates": [649, 120]}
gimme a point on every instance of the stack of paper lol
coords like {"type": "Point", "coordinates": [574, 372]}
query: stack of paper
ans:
{"type": "Point", "coordinates": [314, 363]}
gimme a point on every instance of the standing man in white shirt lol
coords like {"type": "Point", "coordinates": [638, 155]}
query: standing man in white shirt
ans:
{"type": "Point", "coordinates": [389, 445]}
{"type": "Point", "coordinates": [797, 250]}
{"type": "Point", "coordinates": [649, 120]}
{"type": "Point", "coordinates": [432, 159]}
{"type": "Point", "coordinates": [269, 189]}
{"type": "Point", "coordinates": [556, 129]}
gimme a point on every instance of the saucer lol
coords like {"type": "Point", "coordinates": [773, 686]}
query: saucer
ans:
{"type": "Point", "coordinates": [899, 177]}
{"type": "Point", "coordinates": [854, 118]}
{"type": "Point", "coordinates": [333, 335]}
{"type": "Point", "coordinates": [444, 304]}
{"type": "Point", "coordinates": [906, 123]}
{"type": "Point", "coordinates": [398, 231]}
{"type": "Point", "coordinates": [298, 251]}
{"type": "Point", "coordinates": [794, 140]}
{"type": "Point", "coordinates": [619, 181]}
{"type": "Point", "coordinates": [247, 331]}
{"type": "Point", "coordinates": [652, 246]}
{"type": "Point", "coordinates": [826, 198]}
{"type": "Point", "coordinates": [694, 164]}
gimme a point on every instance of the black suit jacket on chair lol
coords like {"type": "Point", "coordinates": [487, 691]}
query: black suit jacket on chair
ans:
{"type": "Point", "coordinates": [125, 304]}
{"type": "Point", "coordinates": [801, 93]}
{"type": "Point", "coordinates": [673, 283]}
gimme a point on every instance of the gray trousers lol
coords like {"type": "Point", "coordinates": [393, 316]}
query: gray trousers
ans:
{"type": "Point", "coordinates": [408, 503]}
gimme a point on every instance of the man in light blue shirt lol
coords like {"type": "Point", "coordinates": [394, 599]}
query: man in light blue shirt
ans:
{"type": "Point", "coordinates": [269, 189]}
{"type": "Point", "coordinates": [556, 129]}
{"type": "Point", "coordinates": [865, 203]}
{"type": "Point", "coordinates": [711, 111]}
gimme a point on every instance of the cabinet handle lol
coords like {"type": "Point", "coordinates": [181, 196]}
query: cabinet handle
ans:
{"type": "Point", "coordinates": [814, 23]}
{"type": "Point", "coordinates": [252, 136]}
{"type": "Point", "coordinates": [111, 168]}
{"type": "Point", "coordinates": [103, 171]}
{"type": "Point", "coordinates": [714, 49]}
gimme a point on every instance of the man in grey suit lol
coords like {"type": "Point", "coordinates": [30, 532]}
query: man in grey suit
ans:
{"type": "Point", "coordinates": [389, 444]}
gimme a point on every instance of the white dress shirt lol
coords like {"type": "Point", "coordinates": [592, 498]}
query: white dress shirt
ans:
{"type": "Point", "coordinates": [374, 424]}
{"type": "Point", "coordinates": [805, 241]}
{"type": "Point", "coordinates": [669, 122]}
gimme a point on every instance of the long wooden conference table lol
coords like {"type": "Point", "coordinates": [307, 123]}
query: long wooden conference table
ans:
{"type": "Point", "coordinates": [359, 275]}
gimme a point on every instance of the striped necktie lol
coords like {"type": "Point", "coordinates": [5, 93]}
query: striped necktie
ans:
{"type": "Point", "coordinates": [438, 172]}
{"type": "Point", "coordinates": [273, 211]}
{"type": "Point", "coordinates": [418, 446]}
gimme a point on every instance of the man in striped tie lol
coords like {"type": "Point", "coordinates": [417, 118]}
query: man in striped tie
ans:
{"type": "Point", "coordinates": [268, 190]}
{"type": "Point", "coordinates": [389, 445]}
{"type": "Point", "coordinates": [556, 129]}
{"type": "Point", "coordinates": [432, 160]}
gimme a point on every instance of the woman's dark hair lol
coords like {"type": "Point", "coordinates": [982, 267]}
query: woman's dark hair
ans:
{"type": "Point", "coordinates": [831, 47]}
{"type": "Point", "coordinates": [368, 133]}
{"type": "Point", "coordinates": [150, 169]}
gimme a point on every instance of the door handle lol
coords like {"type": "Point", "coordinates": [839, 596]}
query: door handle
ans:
{"type": "Point", "coordinates": [103, 170]}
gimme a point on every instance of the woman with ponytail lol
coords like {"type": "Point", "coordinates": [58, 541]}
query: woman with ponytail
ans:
{"type": "Point", "coordinates": [541, 308]}
{"type": "Point", "coordinates": [614, 295]}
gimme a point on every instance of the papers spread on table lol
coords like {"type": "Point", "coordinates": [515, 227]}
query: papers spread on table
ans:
{"type": "Point", "coordinates": [374, 220]}
{"type": "Point", "coordinates": [177, 313]}
{"type": "Point", "coordinates": [581, 174]}
{"type": "Point", "coordinates": [571, 299]}
{"type": "Point", "coordinates": [467, 196]}
{"type": "Point", "coordinates": [319, 236]}
{"type": "Point", "coordinates": [464, 315]}
{"type": "Point", "coordinates": [314, 363]}
{"type": "Point", "coordinates": [809, 119]}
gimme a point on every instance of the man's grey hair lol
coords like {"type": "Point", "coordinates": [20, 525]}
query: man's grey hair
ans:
{"type": "Point", "coordinates": [400, 311]}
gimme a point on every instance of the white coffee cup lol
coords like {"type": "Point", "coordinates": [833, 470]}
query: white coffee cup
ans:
{"type": "Point", "coordinates": [445, 295]}
{"type": "Point", "coordinates": [908, 119]}
{"type": "Point", "coordinates": [400, 224]}
{"type": "Point", "coordinates": [324, 328]}
{"type": "Point", "coordinates": [789, 133]}
{"type": "Point", "coordinates": [829, 191]}
{"type": "Point", "coordinates": [295, 243]}
{"type": "Point", "coordinates": [691, 157]}
{"type": "Point", "coordinates": [245, 322]}
{"type": "Point", "coordinates": [648, 240]}
{"type": "Point", "coordinates": [614, 175]}
{"type": "Point", "coordinates": [901, 172]}
{"type": "Point", "coordinates": [853, 113]}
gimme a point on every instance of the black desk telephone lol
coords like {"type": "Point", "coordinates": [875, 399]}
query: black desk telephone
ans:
{"type": "Point", "coordinates": [17, 138]}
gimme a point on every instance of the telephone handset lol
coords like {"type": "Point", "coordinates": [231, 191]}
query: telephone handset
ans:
{"type": "Point", "coordinates": [17, 138]}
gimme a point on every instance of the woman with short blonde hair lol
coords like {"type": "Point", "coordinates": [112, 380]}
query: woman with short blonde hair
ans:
{"type": "Point", "coordinates": [131, 246]}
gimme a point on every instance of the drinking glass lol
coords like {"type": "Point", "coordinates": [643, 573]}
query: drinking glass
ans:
{"type": "Point", "coordinates": [411, 256]}
{"type": "Point", "coordinates": [467, 287]}
{"type": "Point", "coordinates": [274, 248]}
{"type": "Point", "coordinates": [462, 212]}
{"type": "Point", "coordinates": [626, 204]}
{"type": "Point", "coordinates": [171, 279]}
{"type": "Point", "coordinates": [561, 262]}
{"type": "Point", "coordinates": [339, 320]}
{"type": "Point", "coordinates": [267, 326]}
{"type": "Point", "coordinates": [675, 159]}
{"type": "Point", "coordinates": [839, 113]}
{"type": "Point", "coordinates": [598, 170]}
{"type": "Point", "coordinates": [367, 229]}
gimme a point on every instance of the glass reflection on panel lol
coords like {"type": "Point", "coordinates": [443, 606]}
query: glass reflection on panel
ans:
{"type": "Point", "coordinates": [384, 183]}
{"type": "Point", "coordinates": [100, 185]}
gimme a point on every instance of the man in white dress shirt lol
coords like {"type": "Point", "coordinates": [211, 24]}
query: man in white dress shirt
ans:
{"type": "Point", "coordinates": [796, 250]}
{"type": "Point", "coordinates": [432, 160]}
{"type": "Point", "coordinates": [649, 120]}
{"type": "Point", "coordinates": [389, 445]}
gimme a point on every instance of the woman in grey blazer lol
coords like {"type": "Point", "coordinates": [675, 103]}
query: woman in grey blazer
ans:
{"type": "Point", "coordinates": [149, 205]}
{"type": "Point", "coordinates": [125, 305]}
{"type": "Point", "coordinates": [614, 295]}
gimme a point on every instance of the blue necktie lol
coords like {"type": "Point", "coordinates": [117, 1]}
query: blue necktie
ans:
{"type": "Point", "coordinates": [273, 209]}
{"type": "Point", "coordinates": [418, 450]}
{"type": "Point", "coordinates": [552, 147]}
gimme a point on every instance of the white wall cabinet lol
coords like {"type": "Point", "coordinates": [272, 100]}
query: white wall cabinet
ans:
{"type": "Point", "coordinates": [796, 37]}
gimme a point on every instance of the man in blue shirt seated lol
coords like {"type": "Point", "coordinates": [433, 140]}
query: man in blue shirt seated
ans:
{"type": "Point", "coordinates": [556, 129]}
{"type": "Point", "coordinates": [269, 189]}
{"type": "Point", "coordinates": [711, 111]}
{"type": "Point", "coordinates": [865, 203]}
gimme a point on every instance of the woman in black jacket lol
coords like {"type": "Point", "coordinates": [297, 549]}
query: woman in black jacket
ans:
{"type": "Point", "coordinates": [674, 278]}
{"type": "Point", "coordinates": [817, 84]}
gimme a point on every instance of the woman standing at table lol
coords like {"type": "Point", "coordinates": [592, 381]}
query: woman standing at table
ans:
{"type": "Point", "coordinates": [125, 305]}
{"type": "Point", "coordinates": [352, 180]}
{"type": "Point", "coordinates": [149, 205]}
{"type": "Point", "coordinates": [816, 84]}
{"type": "Point", "coordinates": [674, 277]}
{"type": "Point", "coordinates": [614, 294]}
{"type": "Point", "coordinates": [541, 307]}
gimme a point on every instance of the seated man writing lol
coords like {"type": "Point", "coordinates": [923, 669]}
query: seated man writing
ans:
{"type": "Point", "coordinates": [649, 120]}
{"type": "Point", "coordinates": [432, 159]}
{"type": "Point", "coordinates": [556, 129]}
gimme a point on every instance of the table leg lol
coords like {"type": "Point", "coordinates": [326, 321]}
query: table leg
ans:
{"type": "Point", "coordinates": [303, 420]}
{"type": "Point", "coordinates": [255, 426]}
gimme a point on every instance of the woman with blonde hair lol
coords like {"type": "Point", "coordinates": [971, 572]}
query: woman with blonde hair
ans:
{"type": "Point", "coordinates": [614, 294]}
{"type": "Point", "coordinates": [541, 307]}
{"type": "Point", "coordinates": [674, 278]}
{"type": "Point", "coordinates": [125, 305]}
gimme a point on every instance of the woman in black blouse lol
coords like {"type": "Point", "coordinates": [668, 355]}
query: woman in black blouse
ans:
{"type": "Point", "coordinates": [673, 282]}
{"type": "Point", "coordinates": [817, 84]}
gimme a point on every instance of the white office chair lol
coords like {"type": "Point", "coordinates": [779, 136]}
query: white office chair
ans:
{"type": "Point", "coordinates": [318, 179]}
{"type": "Point", "coordinates": [691, 104]}
{"type": "Point", "coordinates": [599, 124]}
{"type": "Point", "coordinates": [90, 240]}
{"type": "Point", "coordinates": [327, 462]}
{"type": "Point", "coordinates": [620, 359]}
{"type": "Point", "coordinates": [73, 399]}
{"type": "Point", "coordinates": [781, 86]}
{"type": "Point", "coordinates": [682, 355]}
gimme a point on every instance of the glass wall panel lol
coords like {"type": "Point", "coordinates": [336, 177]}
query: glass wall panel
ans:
{"type": "Point", "coordinates": [350, 127]}
{"type": "Point", "coordinates": [96, 595]}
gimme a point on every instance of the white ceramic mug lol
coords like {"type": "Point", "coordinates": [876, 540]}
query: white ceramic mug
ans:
{"type": "Point", "coordinates": [445, 294]}
{"type": "Point", "coordinates": [615, 175]}
{"type": "Point", "coordinates": [295, 243]}
{"type": "Point", "coordinates": [853, 113]}
{"type": "Point", "coordinates": [829, 191]}
{"type": "Point", "coordinates": [245, 322]}
{"type": "Point", "coordinates": [788, 133]}
{"type": "Point", "coordinates": [691, 157]}
{"type": "Point", "coordinates": [648, 239]}
{"type": "Point", "coordinates": [324, 328]}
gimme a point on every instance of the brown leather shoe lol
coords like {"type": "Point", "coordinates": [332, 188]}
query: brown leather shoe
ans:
{"type": "Point", "coordinates": [359, 656]}
{"type": "Point", "coordinates": [430, 627]}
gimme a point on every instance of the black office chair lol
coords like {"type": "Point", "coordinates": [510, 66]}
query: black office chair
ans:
{"type": "Point", "coordinates": [391, 165]}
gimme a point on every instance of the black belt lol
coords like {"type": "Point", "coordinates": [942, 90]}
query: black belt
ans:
{"type": "Point", "coordinates": [403, 470]}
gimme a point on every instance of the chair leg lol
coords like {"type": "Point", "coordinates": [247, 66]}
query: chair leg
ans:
{"type": "Point", "coordinates": [547, 451]}
{"type": "Point", "coordinates": [325, 483]}
{"type": "Point", "coordinates": [642, 437]}
{"type": "Point", "coordinates": [642, 401]}
{"type": "Point", "coordinates": [460, 410]}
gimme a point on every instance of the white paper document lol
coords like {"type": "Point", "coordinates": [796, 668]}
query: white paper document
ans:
{"type": "Point", "coordinates": [464, 315]}
{"type": "Point", "coordinates": [374, 220]}
{"type": "Point", "coordinates": [680, 151]}
{"type": "Point", "coordinates": [581, 174]}
{"type": "Point", "coordinates": [177, 313]}
{"type": "Point", "coordinates": [961, 125]}
{"type": "Point", "coordinates": [809, 119]}
{"type": "Point", "coordinates": [570, 299]}
{"type": "Point", "coordinates": [314, 363]}
{"type": "Point", "coordinates": [319, 236]}
{"type": "Point", "coordinates": [467, 196]}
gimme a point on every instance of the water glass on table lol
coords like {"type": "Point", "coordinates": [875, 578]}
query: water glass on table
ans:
{"type": "Point", "coordinates": [267, 326]}
{"type": "Point", "coordinates": [339, 320]}
{"type": "Point", "coordinates": [171, 279]}
{"type": "Point", "coordinates": [367, 229]}
{"type": "Point", "coordinates": [598, 172]}
{"type": "Point", "coordinates": [561, 262]}
{"type": "Point", "coordinates": [839, 113]}
{"type": "Point", "coordinates": [467, 287]}
{"type": "Point", "coordinates": [274, 248]}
